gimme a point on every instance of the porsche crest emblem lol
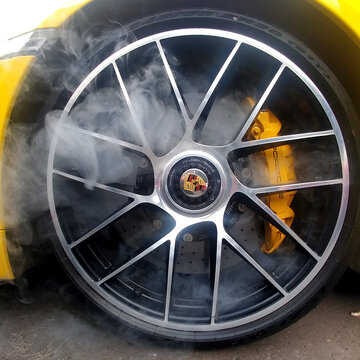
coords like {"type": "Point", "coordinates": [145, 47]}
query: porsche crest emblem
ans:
{"type": "Point", "coordinates": [194, 182]}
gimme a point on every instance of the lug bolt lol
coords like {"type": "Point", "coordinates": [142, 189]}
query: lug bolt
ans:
{"type": "Point", "coordinates": [157, 224]}
{"type": "Point", "coordinates": [188, 237]}
{"type": "Point", "coordinates": [143, 163]}
{"type": "Point", "coordinates": [246, 173]}
{"type": "Point", "coordinates": [241, 207]}
{"type": "Point", "coordinates": [256, 130]}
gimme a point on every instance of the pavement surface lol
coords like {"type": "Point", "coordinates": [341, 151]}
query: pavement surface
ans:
{"type": "Point", "coordinates": [51, 320]}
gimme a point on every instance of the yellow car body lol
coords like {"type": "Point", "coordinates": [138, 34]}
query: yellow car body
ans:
{"type": "Point", "coordinates": [12, 73]}
{"type": "Point", "coordinates": [13, 70]}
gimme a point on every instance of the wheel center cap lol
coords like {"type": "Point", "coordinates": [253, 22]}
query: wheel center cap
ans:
{"type": "Point", "coordinates": [194, 183]}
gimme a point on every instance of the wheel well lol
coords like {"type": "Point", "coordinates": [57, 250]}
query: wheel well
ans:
{"type": "Point", "coordinates": [323, 36]}
{"type": "Point", "coordinates": [303, 20]}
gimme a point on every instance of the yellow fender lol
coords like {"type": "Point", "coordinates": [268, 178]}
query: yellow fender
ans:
{"type": "Point", "coordinates": [345, 13]}
{"type": "Point", "coordinates": [12, 73]}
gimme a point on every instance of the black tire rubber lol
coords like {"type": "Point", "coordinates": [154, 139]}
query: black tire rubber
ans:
{"type": "Point", "coordinates": [166, 17]}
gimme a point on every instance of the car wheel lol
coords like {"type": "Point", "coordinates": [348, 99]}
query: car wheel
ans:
{"type": "Point", "coordinates": [198, 178]}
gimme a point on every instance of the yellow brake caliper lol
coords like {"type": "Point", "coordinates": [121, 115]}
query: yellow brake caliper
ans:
{"type": "Point", "coordinates": [280, 170]}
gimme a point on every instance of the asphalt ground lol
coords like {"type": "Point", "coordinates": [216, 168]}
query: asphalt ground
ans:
{"type": "Point", "coordinates": [47, 318]}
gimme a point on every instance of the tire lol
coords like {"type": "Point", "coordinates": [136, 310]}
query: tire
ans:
{"type": "Point", "coordinates": [200, 262]}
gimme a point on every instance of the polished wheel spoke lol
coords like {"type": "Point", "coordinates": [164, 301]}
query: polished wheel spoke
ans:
{"type": "Point", "coordinates": [137, 197]}
{"type": "Point", "coordinates": [279, 140]}
{"type": "Point", "coordinates": [216, 278]}
{"type": "Point", "coordinates": [170, 276]}
{"type": "Point", "coordinates": [237, 143]}
{"type": "Point", "coordinates": [110, 139]}
{"type": "Point", "coordinates": [135, 258]}
{"type": "Point", "coordinates": [263, 210]}
{"type": "Point", "coordinates": [254, 263]}
{"type": "Point", "coordinates": [295, 186]}
{"type": "Point", "coordinates": [174, 86]}
{"type": "Point", "coordinates": [192, 123]}
{"type": "Point", "coordinates": [105, 223]}
{"type": "Point", "coordinates": [146, 147]}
